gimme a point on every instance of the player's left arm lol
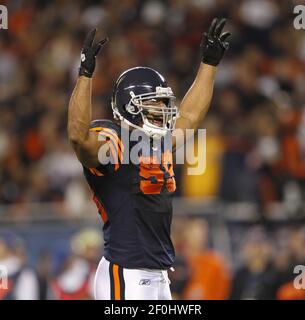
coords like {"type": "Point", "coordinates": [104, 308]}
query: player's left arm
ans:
{"type": "Point", "coordinates": [196, 102]}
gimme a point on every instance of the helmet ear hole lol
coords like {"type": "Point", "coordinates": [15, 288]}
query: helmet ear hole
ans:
{"type": "Point", "coordinates": [135, 117]}
{"type": "Point", "coordinates": [128, 108]}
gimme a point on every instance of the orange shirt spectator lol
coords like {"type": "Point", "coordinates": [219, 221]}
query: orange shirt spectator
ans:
{"type": "Point", "coordinates": [210, 277]}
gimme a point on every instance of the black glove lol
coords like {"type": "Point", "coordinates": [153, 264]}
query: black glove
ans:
{"type": "Point", "coordinates": [88, 54]}
{"type": "Point", "coordinates": [214, 43]}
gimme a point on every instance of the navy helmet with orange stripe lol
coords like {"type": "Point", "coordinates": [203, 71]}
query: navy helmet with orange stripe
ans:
{"type": "Point", "coordinates": [135, 101]}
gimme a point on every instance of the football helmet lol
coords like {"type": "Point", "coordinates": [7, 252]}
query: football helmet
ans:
{"type": "Point", "coordinates": [136, 100]}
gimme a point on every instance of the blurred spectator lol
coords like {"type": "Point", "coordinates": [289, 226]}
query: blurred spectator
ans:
{"type": "Point", "coordinates": [180, 275]}
{"type": "Point", "coordinates": [44, 266]}
{"type": "Point", "coordinates": [210, 277]}
{"type": "Point", "coordinates": [22, 283]}
{"type": "Point", "coordinates": [75, 278]}
{"type": "Point", "coordinates": [256, 278]}
{"type": "Point", "coordinates": [286, 289]}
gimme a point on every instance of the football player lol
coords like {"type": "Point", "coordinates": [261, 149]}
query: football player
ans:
{"type": "Point", "coordinates": [134, 198]}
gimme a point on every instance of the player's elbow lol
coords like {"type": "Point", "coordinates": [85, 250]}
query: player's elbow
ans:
{"type": "Point", "coordinates": [75, 136]}
{"type": "Point", "coordinates": [187, 121]}
{"type": "Point", "coordinates": [75, 141]}
{"type": "Point", "coordinates": [79, 146]}
{"type": "Point", "coordinates": [83, 153]}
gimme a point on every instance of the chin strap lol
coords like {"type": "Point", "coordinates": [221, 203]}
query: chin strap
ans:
{"type": "Point", "coordinates": [153, 132]}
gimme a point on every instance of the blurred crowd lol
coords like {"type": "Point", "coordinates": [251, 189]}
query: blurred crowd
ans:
{"type": "Point", "coordinates": [57, 275]}
{"type": "Point", "coordinates": [263, 268]}
{"type": "Point", "coordinates": [255, 127]}
{"type": "Point", "coordinates": [255, 148]}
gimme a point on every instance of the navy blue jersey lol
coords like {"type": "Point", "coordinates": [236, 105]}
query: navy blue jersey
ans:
{"type": "Point", "coordinates": [134, 201]}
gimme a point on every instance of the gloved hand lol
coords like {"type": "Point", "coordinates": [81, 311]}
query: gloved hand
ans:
{"type": "Point", "coordinates": [89, 53]}
{"type": "Point", "coordinates": [214, 44]}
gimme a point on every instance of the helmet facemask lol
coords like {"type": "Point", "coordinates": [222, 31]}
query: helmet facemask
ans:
{"type": "Point", "coordinates": [157, 120]}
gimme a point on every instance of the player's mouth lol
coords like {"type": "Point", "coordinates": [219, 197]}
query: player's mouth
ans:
{"type": "Point", "coordinates": [155, 120]}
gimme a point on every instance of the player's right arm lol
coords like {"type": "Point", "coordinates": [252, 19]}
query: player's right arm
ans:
{"type": "Point", "coordinates": [84, 141]}
{"type": "Point", "coordinates": [197, 100]}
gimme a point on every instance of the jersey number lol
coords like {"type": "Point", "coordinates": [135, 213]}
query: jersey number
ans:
{"type": "Point", "coordinates": [155, 175]}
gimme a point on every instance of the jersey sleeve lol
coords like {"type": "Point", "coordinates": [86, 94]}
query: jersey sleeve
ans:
{"type": "Point", "coordinates": [110, 133]}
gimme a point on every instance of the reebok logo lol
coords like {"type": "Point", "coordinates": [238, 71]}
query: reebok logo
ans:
{"type": "Point", "coordinates": [144, 282]}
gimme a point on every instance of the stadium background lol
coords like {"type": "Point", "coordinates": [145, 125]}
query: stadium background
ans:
{"type": "Point", "coordinates": [238, 228]}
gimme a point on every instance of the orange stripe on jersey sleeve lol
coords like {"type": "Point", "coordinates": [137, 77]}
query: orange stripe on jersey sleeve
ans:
{"type": "Point", "coordinates": [115, 137]}
{"type": "Point", "coordinates": [96, 129]}
{"type": "Point", "coordinates": [96, 172]}
{"type": "Point", "coordinates": [114, 143]}
{"type": "Point", "coordinates": [113, 133]}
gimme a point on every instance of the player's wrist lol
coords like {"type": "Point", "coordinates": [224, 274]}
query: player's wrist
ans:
{"type": "Point", "coordinates": [210, 61]}
{"type": "Point", "coordinates": [206, 67]}
{"type": "Point", "coordinates": [85, 73]}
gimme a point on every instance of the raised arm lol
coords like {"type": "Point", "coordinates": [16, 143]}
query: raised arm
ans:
{"type": "Point", "coordinates": [84, 142]}
{"type": "Point", "coordinates": [197, 100]}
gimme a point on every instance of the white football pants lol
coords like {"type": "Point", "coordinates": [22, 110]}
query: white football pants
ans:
{"type": "Point", "coordinates": [113, 282]}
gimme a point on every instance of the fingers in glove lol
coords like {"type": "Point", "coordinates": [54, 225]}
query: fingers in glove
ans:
{"type": "Point", "coordinates": [225, 35]}
{"type": "Point", "coordinates": [219, 27]}
{"type": "Point", "coordinates": [226, 45]}
{"type": "Point", "coordinates": [99, 45]}
{"type": "Point", "coordinates": [89, 38]}
{"type": "Point", "coordinates": [212, 28]}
